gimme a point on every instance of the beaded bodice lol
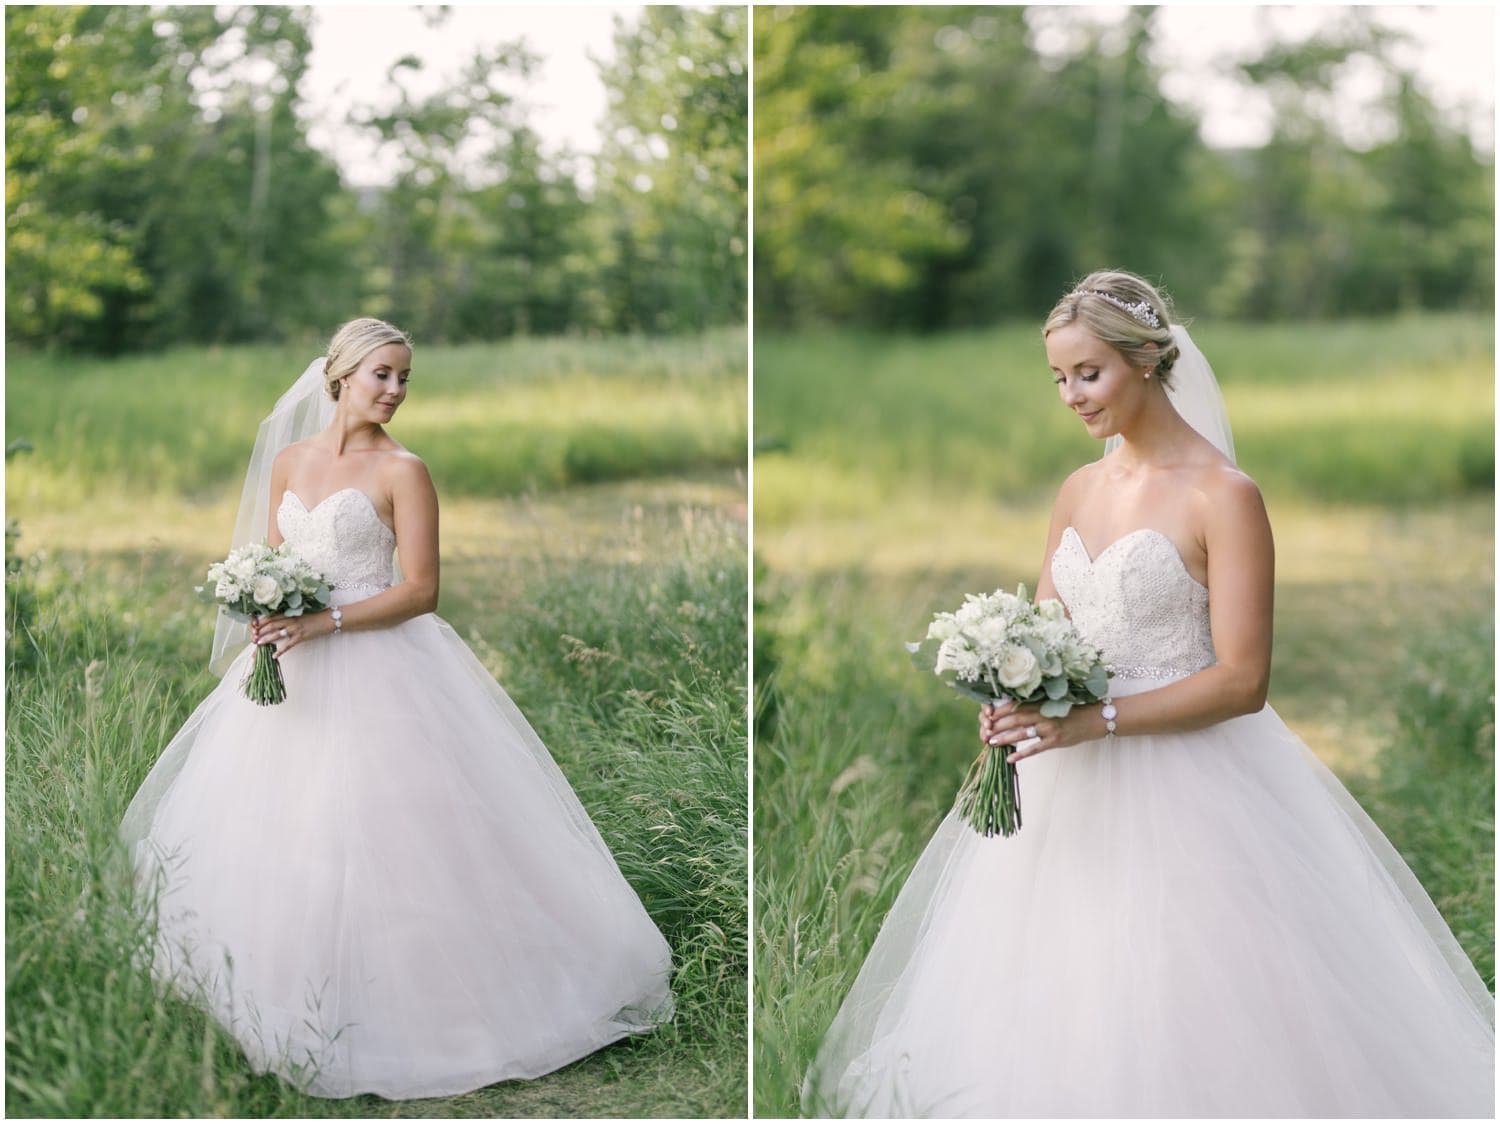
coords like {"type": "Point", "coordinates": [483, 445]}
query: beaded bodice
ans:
{"type": "Point", "coordinates": [341, 537]}
{"type": "Point", "coordinates": [1137, 603]}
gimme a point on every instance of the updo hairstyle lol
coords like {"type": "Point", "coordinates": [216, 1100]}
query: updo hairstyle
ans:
{"type": "Point", "coordinates": [350, 345]}
{"type": "Point", "coordinates": [1112, 323]}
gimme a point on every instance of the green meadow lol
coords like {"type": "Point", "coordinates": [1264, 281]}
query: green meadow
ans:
{"type": "Point", "coordinates": [593, 535]}
{"type": "Point", "coordinates": [892, 474]}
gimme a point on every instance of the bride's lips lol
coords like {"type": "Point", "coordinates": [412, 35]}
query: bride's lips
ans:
{"type": "Point", "coordinates": [1090, 417]}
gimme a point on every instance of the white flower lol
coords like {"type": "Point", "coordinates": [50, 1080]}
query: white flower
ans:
{"type": "Point", "coordinates": [266, 590]}
{"type": "Point", "coordinates": [990, 637]}
{"type": "Point", "coordinates": [957, 654]}
{"type": "Point", "coordinates": [227, 589]}
{"type": "Point", "coordinates": [1051, 610]}
{"type": "Point", "coordinates": [1018, 670]}
{"type": "Point", "coordinates": [942, 627]}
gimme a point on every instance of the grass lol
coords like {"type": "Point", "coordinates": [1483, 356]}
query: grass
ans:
{"type": "Point", "coordinates": [894, 473]}
{"type": "Point", "coordinates": [612, 612]}
{"type": "Point", "coordinates": [1323, 412]}
{"type": "Point", "coordinates": [491, 420]}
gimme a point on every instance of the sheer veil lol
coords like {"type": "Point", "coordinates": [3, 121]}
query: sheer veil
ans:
{"type": "Point", "coordinates": [302, 411]}
{"type": "Point", "coordinates": [1194, 393]}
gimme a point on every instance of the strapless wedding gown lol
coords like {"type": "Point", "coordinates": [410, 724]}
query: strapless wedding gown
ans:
{"type": "Point", "coordinates": [384, 884]}
{"type": "Point", "coordinates": [1188, 925]}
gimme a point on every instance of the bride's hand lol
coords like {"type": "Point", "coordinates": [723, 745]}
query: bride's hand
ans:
{"type": "Point", "coordinates": [287, 632]}
{"type": "Point", "coordinates": [1024, 728]}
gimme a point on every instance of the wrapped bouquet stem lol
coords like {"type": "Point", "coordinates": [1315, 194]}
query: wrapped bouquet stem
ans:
{"type": "Point", "coordinates": [998, 647]}
{"type": "Point", "coordinates": [257, 580]}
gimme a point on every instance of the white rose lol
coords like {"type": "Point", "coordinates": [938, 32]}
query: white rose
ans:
{"type": "Point", "coordinates": [266, 590]}
{"type": "Point", "coordinates": [1018, 670]}
{"type": "Point", "coordinates": [227, 589]}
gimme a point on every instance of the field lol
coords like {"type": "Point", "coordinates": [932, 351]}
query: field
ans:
{"type": "Point", "coordinates": [593, 534]}
{"type": "Point", "coordinates": [894, 473]}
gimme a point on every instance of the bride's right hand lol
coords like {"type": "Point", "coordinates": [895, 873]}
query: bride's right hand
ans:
{"type": "Point", "coordinates": [988, 714]}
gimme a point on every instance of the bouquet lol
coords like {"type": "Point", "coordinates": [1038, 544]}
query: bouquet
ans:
{"type": "Point", "coordinates": [1000, 646]}
{"type": "Point", "coordinates": [259, 580]}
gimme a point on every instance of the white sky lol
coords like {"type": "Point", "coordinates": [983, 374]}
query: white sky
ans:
{"type": "Point", "coordinates": [1452, 50]}
{"type": "Point", "coordinates": [353, 46]}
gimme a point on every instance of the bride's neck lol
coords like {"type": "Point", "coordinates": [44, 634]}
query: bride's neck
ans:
{"type": "Point", "coordinates": [1160, 436]}
{"type": "Point", "coordinates": [349, 435]}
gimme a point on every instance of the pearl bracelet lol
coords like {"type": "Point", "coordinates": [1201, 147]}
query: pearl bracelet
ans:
{"type": "Point", "coordinates": [338, 619]}
{"type": "Point", "coordinates": [1109, 713]}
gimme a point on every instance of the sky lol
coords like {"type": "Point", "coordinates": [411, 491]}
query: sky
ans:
{"type": "Point", "coordinates": [354, 46]}
{"type": "Point", "coordinates": [1453, 50]}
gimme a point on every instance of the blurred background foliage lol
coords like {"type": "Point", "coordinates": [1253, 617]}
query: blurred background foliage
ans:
{"type": "Point", "coordinates": [929, 168]}
{"type": "Point", "coordinates": [160, 188]}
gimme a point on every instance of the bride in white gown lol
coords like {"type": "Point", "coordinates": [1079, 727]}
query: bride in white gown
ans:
{"type": "Point", "coordinates": [1196, 920]}
{"type": "Point", "coordinates": [384, 884]}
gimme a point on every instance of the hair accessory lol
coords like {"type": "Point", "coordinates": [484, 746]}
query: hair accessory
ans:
{"type": "Point", "coordinates": [338, 619]}
{"type": "Point", "coordinates": [1140, 311]}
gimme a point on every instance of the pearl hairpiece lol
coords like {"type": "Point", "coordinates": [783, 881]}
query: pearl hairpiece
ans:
{"type": "Point", "coordinates": [1140, 311]}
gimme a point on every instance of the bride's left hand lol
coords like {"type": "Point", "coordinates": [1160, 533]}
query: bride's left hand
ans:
{"type": "Point", "coordinates": [285, 632]}
{"type": "Point", "coordinates": [1024, 728]}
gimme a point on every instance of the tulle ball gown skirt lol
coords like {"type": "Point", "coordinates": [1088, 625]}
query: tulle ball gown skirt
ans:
{"type": "Point", "coordinates": [1198, 925]}
{"type": "Point", "coordinates": [383, 884]}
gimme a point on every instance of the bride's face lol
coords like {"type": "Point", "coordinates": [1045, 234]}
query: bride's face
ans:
{"type": "Point", "coordinates": [1094, 380]}
{"type": "Point", "coordinates": [378, 385]}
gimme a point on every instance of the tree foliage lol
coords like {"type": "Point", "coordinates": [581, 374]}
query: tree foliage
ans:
{"type": "Point", "coordinates": [930, 167]}
{"type": "Point", "coordinates": [160, 186]}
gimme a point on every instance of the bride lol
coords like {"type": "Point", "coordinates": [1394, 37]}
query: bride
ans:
{"type": "Point", "coordinates": [383, 884]}
{"type": "Point", "coordinates": [1196, 918]}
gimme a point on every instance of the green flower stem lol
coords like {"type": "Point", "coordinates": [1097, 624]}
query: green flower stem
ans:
{"type": "Point", "coordinates": [264, 685]}
{"type": "Point", "coordinates": [990, 798]}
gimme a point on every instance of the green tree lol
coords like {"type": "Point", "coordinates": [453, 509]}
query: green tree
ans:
{"type": "Point", "coordinates": [672, 177]}
{"type": "Point", "coordinates": [160, 185]}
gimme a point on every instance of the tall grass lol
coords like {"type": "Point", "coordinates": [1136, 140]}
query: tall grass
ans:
{"type": "Point", "coordinates": [612, 613]}
{"type": "Point", "coordinates": [633, 675]}
{"type": "Point", "coordinates": [895, 473]}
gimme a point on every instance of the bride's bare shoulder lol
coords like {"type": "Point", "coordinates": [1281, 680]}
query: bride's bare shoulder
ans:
{"type": "Point", "coordinates": [1227, 493]}
{"type": "Point", "coordinates": [294, 453]}
{"type": "Point", "coordinates": [400, 467]}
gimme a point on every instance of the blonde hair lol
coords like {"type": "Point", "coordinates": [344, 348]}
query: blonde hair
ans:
{"type": "Point", "coordinates": [351, 343]}
{"type": "Point", "coordinates": [1099, 302]}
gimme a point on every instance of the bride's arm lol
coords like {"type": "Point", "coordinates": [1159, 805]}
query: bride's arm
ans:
{"type": "Point", "coordinates": [414, 501]}
{"type": "Point", "coordinates": [1241, 573]}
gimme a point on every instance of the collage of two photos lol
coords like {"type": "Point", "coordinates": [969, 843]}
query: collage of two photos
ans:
{"type": "Point", "coordinates": [723, 562]}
